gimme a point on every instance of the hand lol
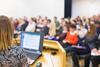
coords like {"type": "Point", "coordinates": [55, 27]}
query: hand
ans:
{"type": "Point", "coordinates": [46, 36]}
{"type": "Point", "coordinates": [98, 51]}
{"type": "Point", "coordinates": [94, 50]}
{"type": "Point", "coordinates": [57, 37]}
{"type": "Point", "coordinates": [68, 41]}
{"type": "Point", "coordinates": [64, 41]}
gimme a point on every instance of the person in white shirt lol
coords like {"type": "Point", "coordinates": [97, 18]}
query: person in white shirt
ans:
{"type": "Point", "coordinates": [82, 32]}
{"type": "Point", "coordinates": [31, 26]}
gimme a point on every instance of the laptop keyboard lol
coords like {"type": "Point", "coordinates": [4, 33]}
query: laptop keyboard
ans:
{"type": "Point", "coordinates": [32, 54]}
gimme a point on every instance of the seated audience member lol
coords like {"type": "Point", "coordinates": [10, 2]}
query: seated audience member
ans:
{"type": "Point", "coordinates": [95, 53]}
{"type": "Point", "coordinates": [21, 22]}
{"type": "Point", "coordinates": [56, 22]}
{"type": "Point", "coordinates": [85, 22]}
{"type": "Point", "coordinates": [46, 18]}
{"type": "Point", "coordinates": [23, 26]}
{"type": "Point", "coordinates": [45, 27]}
{"type": "Point", "coordinates": [71, 38]}
{"type": "Point", "coordinates": [79, 23]}
{"type": "Point", "coordinates": [95, 18]}
{"type": "Point", "coordinates": [16, 23]}
{"type": "Point", "coordinates": [98, 34]}
{"type": "Point", "coordinates": [73, 21]}
{"type": "Point", "coordinates": [52, 28]}
{"type": "Point", "coordinates": [31, 26]}
{"type": "Point", "coordinates": [62, 35]}
{"type": "Point", "coordinates": [34, 19]}
{"type": "Point", "coordinates": [91, 35]}
{"type": "Point", "coordinates": [82, 31]}
{"type": "Point", "coordinates": [10, 56]}
{"type": "Point", "coordinates": [39, 25]}
{"type": "Point", "coordinates": [62, 23]}
{"type": "Point", "coordinates": [39, 19]}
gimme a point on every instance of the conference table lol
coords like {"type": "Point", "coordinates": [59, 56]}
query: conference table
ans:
{"type": "Point", "coordinates": [53, 54]}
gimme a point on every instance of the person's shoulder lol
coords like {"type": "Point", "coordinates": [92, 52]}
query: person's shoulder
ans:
{"type": "Point", "coordinates": [16, 50]}
{"type": "Point", "coordinates": [14, 55]}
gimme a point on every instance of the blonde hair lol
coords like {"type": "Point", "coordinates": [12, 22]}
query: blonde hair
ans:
{"type": "Point", "coordinates": [52, 29]}
{"type": "Point", "coordinates": [5, 33]}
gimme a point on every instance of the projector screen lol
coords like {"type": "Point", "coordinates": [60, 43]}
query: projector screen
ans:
{"type": "Point", "coordinates": [19, 8]}
{"type": "Point", "coordinates": [85, 7]}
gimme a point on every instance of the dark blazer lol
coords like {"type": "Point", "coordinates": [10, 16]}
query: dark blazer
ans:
{"type": "Point", "coordinates": [23, 27]}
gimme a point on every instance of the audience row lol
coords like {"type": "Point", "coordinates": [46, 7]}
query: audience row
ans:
{"type": "Point", "coordinates": [70, 32]}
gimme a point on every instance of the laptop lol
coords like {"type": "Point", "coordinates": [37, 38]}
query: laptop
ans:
{"type": "Point", "coordinates": [32, 43]}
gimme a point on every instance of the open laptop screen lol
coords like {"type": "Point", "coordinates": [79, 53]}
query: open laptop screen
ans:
{"type": "Point", "coordinates": [30, 40]}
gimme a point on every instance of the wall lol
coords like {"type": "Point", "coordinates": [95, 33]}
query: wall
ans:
{"type": "Point", "coordinates": [85, 7]}
{"type": "Point", "coordinates": [17, 8]}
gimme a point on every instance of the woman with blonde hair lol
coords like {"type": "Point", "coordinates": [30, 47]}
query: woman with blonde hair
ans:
{"type": "Point", "coordinates": [10, 56]}
{"type": "Point", "coordinates": [52, 28]}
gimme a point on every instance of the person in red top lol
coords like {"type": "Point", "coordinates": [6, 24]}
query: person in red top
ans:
{"type": "Point", "coordinates": [71, 38]}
